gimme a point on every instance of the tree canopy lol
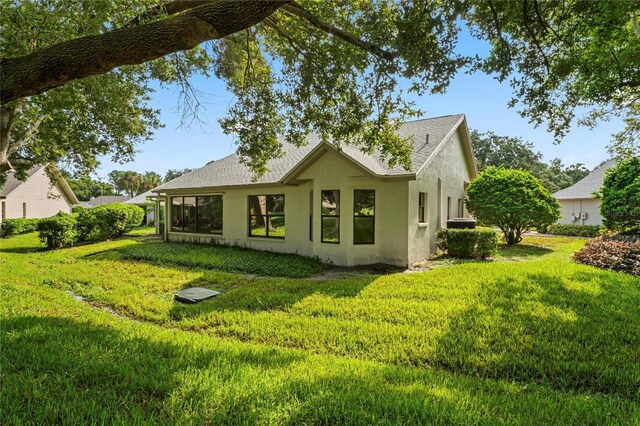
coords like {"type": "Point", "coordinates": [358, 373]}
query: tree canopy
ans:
{"type": "Point", "coordinates": [512, 152]}
{"type": "Point", "coordinates": [75, 74]}
{"type": "Point", "coordinates": [620, 205]}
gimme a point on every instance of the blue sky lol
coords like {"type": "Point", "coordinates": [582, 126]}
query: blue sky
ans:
{"type": "Point", "coordinates": [480, 97]}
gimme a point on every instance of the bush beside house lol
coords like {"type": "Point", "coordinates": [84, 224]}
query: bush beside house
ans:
{"type": "Point", "coordinates": [513, 200]}
{"type": "Point", "coordinates": [18, 226]}
{"type": "Point", "coordinates": [108, 221]}
{"type": "Point", "coordinates": [468, 243]}
{"type": "Point", "coordinates": [589, 231]}
{"type": "Point", "coordinates": [57, 231]}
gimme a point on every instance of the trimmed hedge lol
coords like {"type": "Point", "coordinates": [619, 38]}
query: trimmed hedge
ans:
{"type": "Point", "coordinates": [616, 252]}
{"type": "Point", "coordinates": [18, 226]}
{"type": "Point", "coordinates": [108, 221]}
{"type": "Point", "coordinates": [57, 231]}
{"type": "Point", "coordinates": [468, 243]}
{"type": "Point", "coordinates": [574, 230]}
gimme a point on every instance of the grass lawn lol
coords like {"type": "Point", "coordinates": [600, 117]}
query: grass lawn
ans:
{"type": "Point", "coordinates": [528, 339]}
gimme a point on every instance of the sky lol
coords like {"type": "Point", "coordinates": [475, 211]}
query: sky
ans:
{"type": "Point", "coordinates": [482, 98]}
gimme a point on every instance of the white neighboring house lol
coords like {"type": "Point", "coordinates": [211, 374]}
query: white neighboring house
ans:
{"type": "Point", "coordinates": [336, 203]}
{"type": "Point", "coordinates": [35, 197]}
{"type": "Point", "coordinates": [577, 204]}
{"type": "Point", "coordinates": [146, 202]}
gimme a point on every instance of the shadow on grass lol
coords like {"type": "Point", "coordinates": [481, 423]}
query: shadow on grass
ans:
{"type": "Point", "coordinates": [581, 335]}
{"type": "Point", "coordinates": [261, 294]}
{"type": "Point", "coordinates": [523, 250]}
{"type": "Point", "coordinates": [84, 373]}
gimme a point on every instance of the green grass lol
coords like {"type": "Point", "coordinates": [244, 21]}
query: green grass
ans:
{"type": "Point", "coordinates": [537, 341]}
{"type": "Point", "coordinates": [142, 230]}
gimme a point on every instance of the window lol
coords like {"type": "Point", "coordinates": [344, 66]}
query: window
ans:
{"type": "Point", "coordinates": [422, 203]}
{"type": "Point", "coordinates": [448, 208]}
{"type": "Point", "coordinates": [330, 216]}
{"type": "Point", "coordinates": [24, 210]}
{"type": "Point", "coordinates": [364, 202]}
{"type": "Point", "coordinates": [311, 216]}
{"type": "Point", "coordinates": [266, 216]}
{"type": "Point", "coordinates": [202, 214]}
{"type": "Point", "coordinates": [4, 209]}
{"type": "Point", "coordinates": [460, 207]}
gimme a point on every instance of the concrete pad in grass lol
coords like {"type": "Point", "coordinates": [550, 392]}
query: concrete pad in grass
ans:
{"type": "Point", "coordinates": [195, 294]}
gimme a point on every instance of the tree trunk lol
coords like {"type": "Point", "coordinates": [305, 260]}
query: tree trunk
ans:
{"type": "Point", "coordinates": [82, 57]}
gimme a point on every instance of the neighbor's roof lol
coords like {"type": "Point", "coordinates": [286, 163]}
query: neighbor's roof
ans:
{"type": "Point", "coordinates": [13, 183]}
{"type": "Point", "coordinates": [106, 199]}
{"type": "Point", "coordinates": [585, 187]}
{"type": "Point", "coordinates": [141, 198]}
{"type": "Point", "coordinates": [229, 171]}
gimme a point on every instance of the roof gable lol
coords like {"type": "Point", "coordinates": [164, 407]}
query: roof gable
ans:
{"type": "Point", "coordinates": [14, 183]}
{"type": "Point", "coordinates": [426, 136]}
{"type": "Point", "coordinates": [586, 186]}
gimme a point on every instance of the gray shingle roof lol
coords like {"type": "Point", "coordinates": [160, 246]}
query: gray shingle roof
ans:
{"type": "Point", "coordinates": [141, 198]}
{"type": "Point", "coordinates": [106, 199]}
{"type": "Point", "coordinates": [585, 187]}
{"type": "Point", "coordinates": [229, 171]}
{"type": "Point", "coordinates": [13, 183]}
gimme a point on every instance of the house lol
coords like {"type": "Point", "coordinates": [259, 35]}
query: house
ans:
{"type": "Point", "coordinates": [336, 203]}
{"type": "Point", "coordinates": [146, 203]}
{"type": "Point", "coordinates": [104, 199]}
{"type": "Point", "coordinates": [35, 197]}
{"type": "Point", "coordinates": [577, 203]}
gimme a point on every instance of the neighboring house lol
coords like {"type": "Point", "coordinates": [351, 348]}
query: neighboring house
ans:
{"type": "Point", "coordinates": [577, 203]}
{"type": "Point", "coordinates": [35, 197]}
{"type": "Point", "coordinates": [338, 204]}
{"type": "Point", "coordinates": [146, 203]}
{"type": "Point", "coordinates": [104, 199]}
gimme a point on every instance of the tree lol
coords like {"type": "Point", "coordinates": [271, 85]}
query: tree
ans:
{"type": "Point", "coordinates": [175, 173]}
{"type": "Point", "coordinates": [149, 180]}
{"type": "Point", "coordinates": [513, 200]}
{"type": "Point", "coordinates": [620, 205]}
{"type": "Point", "coordinates": [513, 152]}
{"type": "Point", "coordinates": [85, 188]}
{"type": "Point", "coordinates": [329, 67]}
{"type": "Point", "coordinates": [127, 182]}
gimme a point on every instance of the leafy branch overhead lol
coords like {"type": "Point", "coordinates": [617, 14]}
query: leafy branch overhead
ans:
{"type": "Point", "coordinates": [76, 75]}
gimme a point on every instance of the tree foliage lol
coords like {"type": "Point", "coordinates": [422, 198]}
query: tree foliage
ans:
{"type": "Point", "coordinates": [175, 173]}
{"type": "Point", "coordinates": [620, 205]}
{"type": "Point", "coordinates": [513, 200]}
{"type": "Point", "coordinates": [512, 152]}
{"type": "Point", "coordinates": [334, 68]}
{"type": "Point", "coordinates": [85, 187]}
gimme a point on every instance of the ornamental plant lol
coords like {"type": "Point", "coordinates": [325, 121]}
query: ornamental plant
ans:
{"type": "Point", "coordinates": [108, 221]}
{"type": "Point", "coordinates": [513, 200]}
{"type": "Point", "coordinates": [57, 231]}
{"type": "Point", "coordinates": [620, 205]}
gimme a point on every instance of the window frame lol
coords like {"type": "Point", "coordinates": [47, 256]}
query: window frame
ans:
{"type": "Point", "coordinates": [373, 217]}
{"type": "Point", "coordinates": [170, 226]}
{"type": "Point", "coordinates": [422, 207]}
{"type": "Point", "coordinates": [267, 216]}
{"type": "Point", "coordinates": [336, 216]}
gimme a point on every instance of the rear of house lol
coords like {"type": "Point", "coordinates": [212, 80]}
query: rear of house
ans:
{"type": "Point", "coordinates": [336, 203]}
{"type": "Point", "coordinates": [578, 206]}
{"type": "Point", "coordinates": [35, 197]}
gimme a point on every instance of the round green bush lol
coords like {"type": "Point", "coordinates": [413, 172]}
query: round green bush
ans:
{"type": "Point", "coordinates": [620, 205]}
{"type": "Point", "coordinates": [57, 231]}
{"type": "Point", "coordinates": [513, 200]}
{"type": "Point", "coordinates": [18, 226]}
{"type": "Point", "coordinates": [108, 221]}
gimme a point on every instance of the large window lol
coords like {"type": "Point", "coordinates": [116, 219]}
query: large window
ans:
{"type": "Point", "coordinates": [266, 216]}
{"type": "Point", "coordinates": [364, 203]}
{"type": "Point", "coordinates": [422, 203]}
{"type": "Point", "coordinates": [330, 217]}
{"type": "Point", "coordinates": [202, 214]}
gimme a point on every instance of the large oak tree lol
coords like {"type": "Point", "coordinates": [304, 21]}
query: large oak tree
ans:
{"type": "Point", "coordinates": [75, 74]}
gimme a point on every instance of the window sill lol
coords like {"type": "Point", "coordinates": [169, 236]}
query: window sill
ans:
{"type": "Point", "coordinates": [267, 239]}
{"type": "Point", "coordinates": [194, 234]}
{"type": "Point", "coordinates": [423, 225]}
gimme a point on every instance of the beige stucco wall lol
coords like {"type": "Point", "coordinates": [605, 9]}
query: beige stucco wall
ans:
{"type": "Point", "coordinates": [589, 206]}
{"type": "Point", "coordinates": [41, 199]}
{"type": "Point", "coordinates": [448, 167]}
{"type": "Point", "coordinates": [330, 172]}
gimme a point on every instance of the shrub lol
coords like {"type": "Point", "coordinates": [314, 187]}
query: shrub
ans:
{"type": "Point", "coordinates": [620, 205]}
{"type": "Point", "coordinates": [77, 209]}
{"type": "Point", "coordinates": [513, 200]}
{"type": "Point", "coordinates": [574, 230]}
{"type": "Point", "coordinates": [108, 221]}
{"type": "Point", "coordinates": [615, 252]}
{"type": "Point", "coordinates": [57, 231]}
{"type": "Point", "coordinates": [18, 226]}
{"type": "Point", "coordinates": [468, 243]}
